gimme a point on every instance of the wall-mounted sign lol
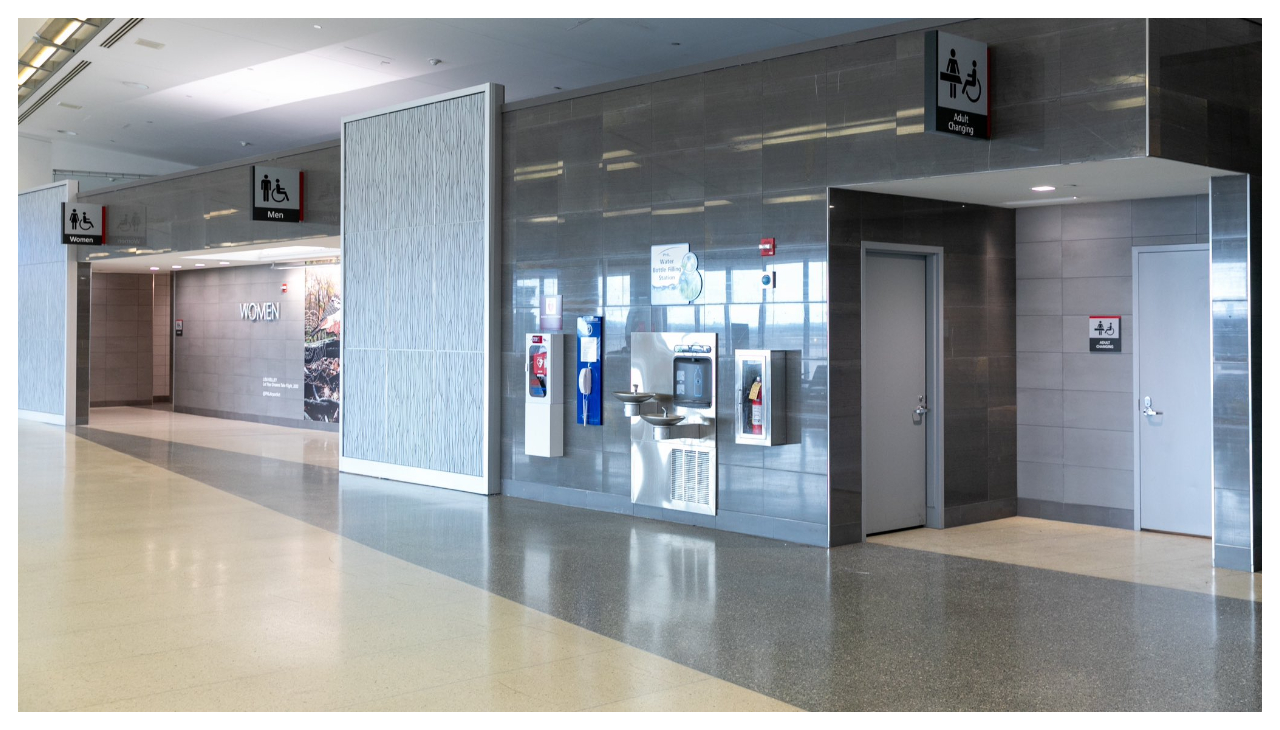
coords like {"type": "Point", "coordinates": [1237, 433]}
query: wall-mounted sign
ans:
{"type": "Point", "coordinates": [551, 313]}
{"type": "Point", "coordinates": [127, 225]}
{"type": "Point", "coordinates": [264, 312]}
{"type": "Point", "coordinates": [84, 225]}
{"type": "Point", "coordinates": [957, 93]}
{"type": "Point", "coordinates": [277, 194]}
{"type": "Point", "coordinates": [1104, 333]}
{"type": "Point", "coordinates": [177, 328]}
{"type": "Point", "coordinates": [674, 276]}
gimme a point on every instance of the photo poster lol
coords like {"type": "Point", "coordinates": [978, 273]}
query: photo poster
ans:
{"type": "Point", "coordinates": [322, 320]}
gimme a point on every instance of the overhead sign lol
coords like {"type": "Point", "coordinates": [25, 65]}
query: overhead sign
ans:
{"type": "Point", "coordinates": [127, 225]}
{"type": "Point", "coordinates": [674, 276]}
{"type": "Point", "coordinates": [85, 225]}
{"type": "Point", "coordinates": [957, 89]}
{"type": "Point", "coordinates": [277, 194]}
{"type": "Point", "coordinates": [1104, 334]}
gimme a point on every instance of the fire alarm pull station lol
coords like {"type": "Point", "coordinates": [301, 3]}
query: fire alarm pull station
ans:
{"type": "Point", "coordinates": [543, 395]}
{"type": "Point", "coordinates": [590, 374]}
{"type": "Point", "coordinates": [760, 377]}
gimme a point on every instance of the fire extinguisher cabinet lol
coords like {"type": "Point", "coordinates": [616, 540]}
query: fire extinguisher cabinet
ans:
{"type": "Point", "coordinates": [760, 382]}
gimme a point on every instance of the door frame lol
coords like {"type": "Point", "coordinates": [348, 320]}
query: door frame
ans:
{"type": "Point", "coordinates": [1139, 249]}
{"type": "Point", "coordinates": [934, 463]}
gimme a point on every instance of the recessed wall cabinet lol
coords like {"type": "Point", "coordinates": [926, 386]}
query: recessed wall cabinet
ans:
{"type": "Point", "coordinates": [760, 405]}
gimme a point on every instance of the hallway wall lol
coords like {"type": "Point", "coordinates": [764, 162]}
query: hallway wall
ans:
{"type": "Point", "coordinates": [1075, 408]}
{"type": "Point", "coordinates": [121, 340]}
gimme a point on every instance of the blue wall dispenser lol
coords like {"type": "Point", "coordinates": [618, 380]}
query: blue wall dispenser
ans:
{"type": "Point", "coordinates": [590, 370]}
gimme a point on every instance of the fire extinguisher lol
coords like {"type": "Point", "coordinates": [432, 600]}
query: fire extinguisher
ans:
{"type": "Point", "coordinates": [757, 407]}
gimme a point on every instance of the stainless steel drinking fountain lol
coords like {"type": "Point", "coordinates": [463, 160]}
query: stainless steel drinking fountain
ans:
{"type": "Point", "coordinates": [672, 406]}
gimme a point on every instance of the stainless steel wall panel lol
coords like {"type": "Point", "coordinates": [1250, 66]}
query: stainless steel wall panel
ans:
{"type": "Point", "coordinates": [42, 317]}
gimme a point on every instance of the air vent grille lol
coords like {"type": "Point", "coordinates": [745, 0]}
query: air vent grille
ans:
{"type": "Point", "coordinates": [690, 476]}
{"type": "Point", "coordinates": [55, 89]}
{"type": "Point", "coordinates": [121, 32]}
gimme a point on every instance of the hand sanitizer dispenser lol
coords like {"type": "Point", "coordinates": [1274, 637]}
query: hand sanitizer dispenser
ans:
{"type": "Point", "coordinates": [543, 395]}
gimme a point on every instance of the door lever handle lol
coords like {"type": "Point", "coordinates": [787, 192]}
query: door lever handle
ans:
{"type": "Point", "coordinates": [922, 408]}
{"type": "Point", "coordinates": [1147, 410]}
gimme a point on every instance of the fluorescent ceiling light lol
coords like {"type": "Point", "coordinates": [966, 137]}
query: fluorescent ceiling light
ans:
{"type": "Point", "coordinates": [199, 265]}
{"type": "Point", "coordinates": [25, 74]}
{"type": "Point", "coordinates": [176, 266]}
{"type": "Point", "coordinates": [155, 268]}
{"type": "Point", "coordinates": [1043, 189]}
{"type": "Point", "coordinates": [282, 253]}
{"type": "Point", "coordinates": [224, 263]}
{"type": "Point", "coordinates": [43, 56]}
{"type": "Point", "coordinates": [67, 32]}
{"type": "Point", "coordinates": [1041, 201]}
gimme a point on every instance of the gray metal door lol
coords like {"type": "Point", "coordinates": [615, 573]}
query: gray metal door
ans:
{"type": "Point", "coordinates": [894, 332]}
{"type": "Point", "coordinates": [1174, 428]}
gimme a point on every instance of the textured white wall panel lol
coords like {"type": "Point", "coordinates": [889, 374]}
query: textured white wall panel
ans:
{"type": "Point", "coordinates": [42, 302]}
{"type": "Point", "coordinates": [414, 258]}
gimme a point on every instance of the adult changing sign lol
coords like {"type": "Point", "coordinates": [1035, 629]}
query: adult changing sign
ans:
{"type": "Point", "coordinates": [84, 225]}
{"type": "Point", "coordinates": [1104, 333]}
{"type": "Point", "coordinates": [957, 90]}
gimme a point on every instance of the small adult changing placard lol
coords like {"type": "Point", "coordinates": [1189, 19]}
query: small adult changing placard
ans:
{"type": "Point", "coordinates": [1104, 333]}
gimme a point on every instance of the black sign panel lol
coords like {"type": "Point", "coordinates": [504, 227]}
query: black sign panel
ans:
{"type": "Point", "coordinates": [277, 194]}
{"type": "Point", "coordinates": [1104, 333]}
{"type": "Point", "coordinates": [84, 225]}
{"type": "Point", "coordinates": [957, 94]}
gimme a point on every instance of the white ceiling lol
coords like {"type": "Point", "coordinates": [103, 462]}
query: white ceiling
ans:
{"type": "Point", "coordinates": [1085, 182]}
{"type": "Point", "coordinates": [324, 247]}
{"type": "Point", "coordinates": [282, 83]}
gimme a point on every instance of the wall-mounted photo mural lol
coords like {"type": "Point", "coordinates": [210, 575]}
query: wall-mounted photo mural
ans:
{"type": "Point", "coordinates": [322, 318]}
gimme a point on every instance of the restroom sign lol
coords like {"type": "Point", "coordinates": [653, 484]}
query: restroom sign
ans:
{"type": "Point", "coordinates": [277, 194]}
{"type": "Point", "coordinates": [1104, 333]}
{"type": "Point", "coordinates": [957, 93]}
{"type": "Point", "coordinates": [84, 225]}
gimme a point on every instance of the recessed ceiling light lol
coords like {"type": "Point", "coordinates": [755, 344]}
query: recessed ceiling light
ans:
{"type": "Point", "coordinates": [67, 31]}
{"type": "Point", "coordinates": [1043, 189]}
{"type": "Point", "coordinates": [66, 131]}
{"type": "Point", "coordinates": [155, 268]}
{"type": "Point", "coordinates": [65, 105]}
{"type": "Point", "coordinates": [155, 45]}
{"type": "Point", "coordinates": [224, 263]}
{"type": "Point", "coordinates": [317, 27]}
{"type": "Point", "coordinates": [199, 265]}
{"type": "Point", "coordinates": [176, 266]}
{"type": "Point", "coordinates": [135, 85]}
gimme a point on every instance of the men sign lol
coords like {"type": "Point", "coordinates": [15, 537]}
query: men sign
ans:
{"type": "Point", "coordinates": [957, 98]}
{"type": "Point", "coordinates": [84, 224]}
{"type": "Point", "coordinates": [277, 194]}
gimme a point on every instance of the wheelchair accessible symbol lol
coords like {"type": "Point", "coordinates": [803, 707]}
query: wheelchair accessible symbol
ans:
{"type": "Point", "coordinates": [951, 76]}
{"type": "Point", "coordinates": [270, 194]}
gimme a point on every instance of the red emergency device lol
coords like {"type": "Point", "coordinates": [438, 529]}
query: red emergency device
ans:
{"type": "Point", "coordinates": [757, 408]}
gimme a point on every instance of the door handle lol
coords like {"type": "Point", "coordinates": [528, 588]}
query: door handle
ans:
{"type": "Point", "coordinates": [922, 408]}
{"type": "Point", "coordinates": [1147, 410]}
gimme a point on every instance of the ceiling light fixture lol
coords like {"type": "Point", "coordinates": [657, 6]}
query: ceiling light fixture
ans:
{"type": "Point", "coordinates": [199, 265]}
{"type": "Point", "coordinates": [135, 85]}
{"type": "Point", "coordinates": [155, 268]}
{"type": "Point", "coordinates": [434, 61]}
{"type": "Point", "coordinates": [68, 31]}
{"type": "Point", "coordinates": [1043, 189]}
{"type": "Point", "coordinates": [25, 74]}
{"type": "Point", "coordinates": [66, 131]}
{"type": "Point", "coordinates": [43, 56]}
{"type": "Point", "coordinates": [317, 27]}
{"type": "Point", "coordinates": [176, 266]}
{"type": "Point", "coordinates": [224, 263]}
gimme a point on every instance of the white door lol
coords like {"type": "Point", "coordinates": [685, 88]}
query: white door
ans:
{"type": "Point", "coordinates": [894, 338]}
{"type": "Point", "coordinates": [1174, 438]}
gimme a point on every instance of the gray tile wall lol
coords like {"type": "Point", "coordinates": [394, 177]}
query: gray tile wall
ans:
{"type": "Point", "coordinates": [1075, 408]}
{"type": "Point", "coordinates": [179, 211]}
{"type": "Point", "coordinates": [1206, 92]}
{"type": "Point", "coordinates": [220, 360]}
{"type": "Point", "coordinates": [414, 287]}
{"type": "Point", "coordinates": [121, 340]}
{"type": "Point", "coordinates": [42, 302]}
{"type": "Point", "coordinates": [980, 438]}
{"type": "Point", "coordinates": [724, 158]}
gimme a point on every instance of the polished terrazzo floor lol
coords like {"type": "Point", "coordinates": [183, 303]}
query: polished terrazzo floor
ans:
{"type": "Point", "coordinates": [178, 563]}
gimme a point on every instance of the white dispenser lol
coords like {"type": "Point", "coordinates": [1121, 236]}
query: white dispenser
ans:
{"type": "Point", "coordinates": [543, 394]}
